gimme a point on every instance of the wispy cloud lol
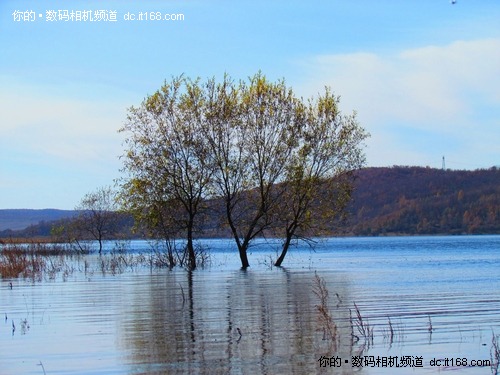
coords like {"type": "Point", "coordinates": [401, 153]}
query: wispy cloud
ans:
{"type": "Point", "coordinates": [69, 129]}
{"type": "Point", "coordinates": [56, 148]}
{"type": "Point", "coordinates": [445, 91]}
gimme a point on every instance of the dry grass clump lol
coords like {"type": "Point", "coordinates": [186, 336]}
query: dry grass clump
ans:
{"type": "Point", "coordinates": [40, 248]}
{"type": "Point", "coordinates": [36, 260]}
{"type": "Point", "coordinates": [119, 262]}
{"type": "Point", "coordinates": [324, 315]}
{"type": "Point", "coordinates": [362, 325]}
{"type": "Point", "coordinates": [33, 260]}
{"type": "Point", "coordinates": [495, 354]}
{"type": "Point", "coordinates": [17, 263]}
{"type": "Point", "coordinates": [364, 330]}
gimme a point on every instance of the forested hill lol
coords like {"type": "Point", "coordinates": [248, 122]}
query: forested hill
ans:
{"type": "Point", "coordinates": [414, 200]}
{"type": "Point", "coordinates": [21, 219]}
{"type": "Point", "coordinates": [386, 201]}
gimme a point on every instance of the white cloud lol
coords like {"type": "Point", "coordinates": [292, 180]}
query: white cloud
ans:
{"type": "Point", "coordinates": [55, 148]}
{"type": "Point", "coordinates": [450, 91]}
{"type": "Point", "coordinates": [71, 130]}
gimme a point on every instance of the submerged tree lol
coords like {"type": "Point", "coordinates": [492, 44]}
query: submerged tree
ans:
{"type": "Point", "coordinates": [97, 217]}
{"type": "Point", "coordinates": [252, 130]}
{"type": "Point", "coordinates": [166, 152]}
{"type": "Point", "coordinates": [155, 214]}
{"type": "Point", "coordinates": [283, 166]}
{"type": "Point", "coordinates": [271, 162]}
{"type": "Point", "coordinates": [319, 176]}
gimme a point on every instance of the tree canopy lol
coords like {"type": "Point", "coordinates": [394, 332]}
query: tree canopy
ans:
{"type": "Point", "coordinates": [252, 145]}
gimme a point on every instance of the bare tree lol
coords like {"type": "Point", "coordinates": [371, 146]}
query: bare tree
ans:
{"type": "Point", "coordinates": [97, 218]}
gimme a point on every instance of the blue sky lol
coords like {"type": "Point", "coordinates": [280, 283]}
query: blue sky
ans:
{"type": "Point", "coordinates": [422, 75]}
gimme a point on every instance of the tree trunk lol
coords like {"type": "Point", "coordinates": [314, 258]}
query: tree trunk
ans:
{"type": "Point", "coordinates": [284, 250]}
{"type": "Point", "coordinates": [170, 253]}
{"type": "Point", "coordinates": [190, 247]}
{"type": "Point", "coordinates": [100, 245]}
{"type": "Point", "coordinates": [244, 258]}
{"type": "Point", "coordinates": [242, 247]}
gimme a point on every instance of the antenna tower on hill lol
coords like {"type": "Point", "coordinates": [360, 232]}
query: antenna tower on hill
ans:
{"type": "Point", "coordinates": [444, 165]}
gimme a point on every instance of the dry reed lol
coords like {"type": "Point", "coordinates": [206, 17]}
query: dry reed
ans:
{"type": "Point", "coordinates": [324, 315]}
{"type": "Point", "coordinates": [362, 325]}
{"type": "Point", "coordinates": [495, 354]}
{"type": "Point", "coordinates": [34, 260]}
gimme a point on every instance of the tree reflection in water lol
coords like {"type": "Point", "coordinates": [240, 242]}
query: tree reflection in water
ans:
{"type": "Point", "coordinates": [211, 322]}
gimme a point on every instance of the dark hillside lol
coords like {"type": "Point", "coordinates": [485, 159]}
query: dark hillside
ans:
{"type": "Point", "coordinates": [413, 200]}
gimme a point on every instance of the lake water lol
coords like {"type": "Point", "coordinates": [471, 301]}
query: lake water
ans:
{"type": "Point", "coordinates": [426, 299]}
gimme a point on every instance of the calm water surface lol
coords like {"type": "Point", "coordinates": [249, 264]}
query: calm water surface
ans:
{"type": "Point", "coordinates": [424, 297]}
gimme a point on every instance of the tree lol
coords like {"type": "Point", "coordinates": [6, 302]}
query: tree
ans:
{"type": "Point", "coordinates": [282, 165]}
{"type": "Point", "coordinates": [154, 215]}
{"type": "Point", "coordinates": [319, 175]}
{"type": "Point", "coordinates": [267, 160]}
{"type": "Point", "coordinates": [166, 152]}
{"type": "Point", "coordinates": [97, 218]}
{"type": "Point", "coordinates": [252, 129]}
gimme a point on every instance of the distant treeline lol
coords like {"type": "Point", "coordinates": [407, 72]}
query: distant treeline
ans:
{"type": "Point", "coordinates": [386, 201]}
{"type": "Point", "coordinates": [52, 228]}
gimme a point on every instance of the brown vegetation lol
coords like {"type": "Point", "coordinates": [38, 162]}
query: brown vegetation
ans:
{"type": "Point", "coordinates": [16, 263]}
{"type": "Point", "coordinates": [324, 315]}
{"type": "Point", "coordinates": [495, 354]}
{"type": "Point", "coordinates": [364, 328]}
{"type": "Point", "coordinates": [38, 261]}
{"type": "Point", "coordinates": [32, 260]}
